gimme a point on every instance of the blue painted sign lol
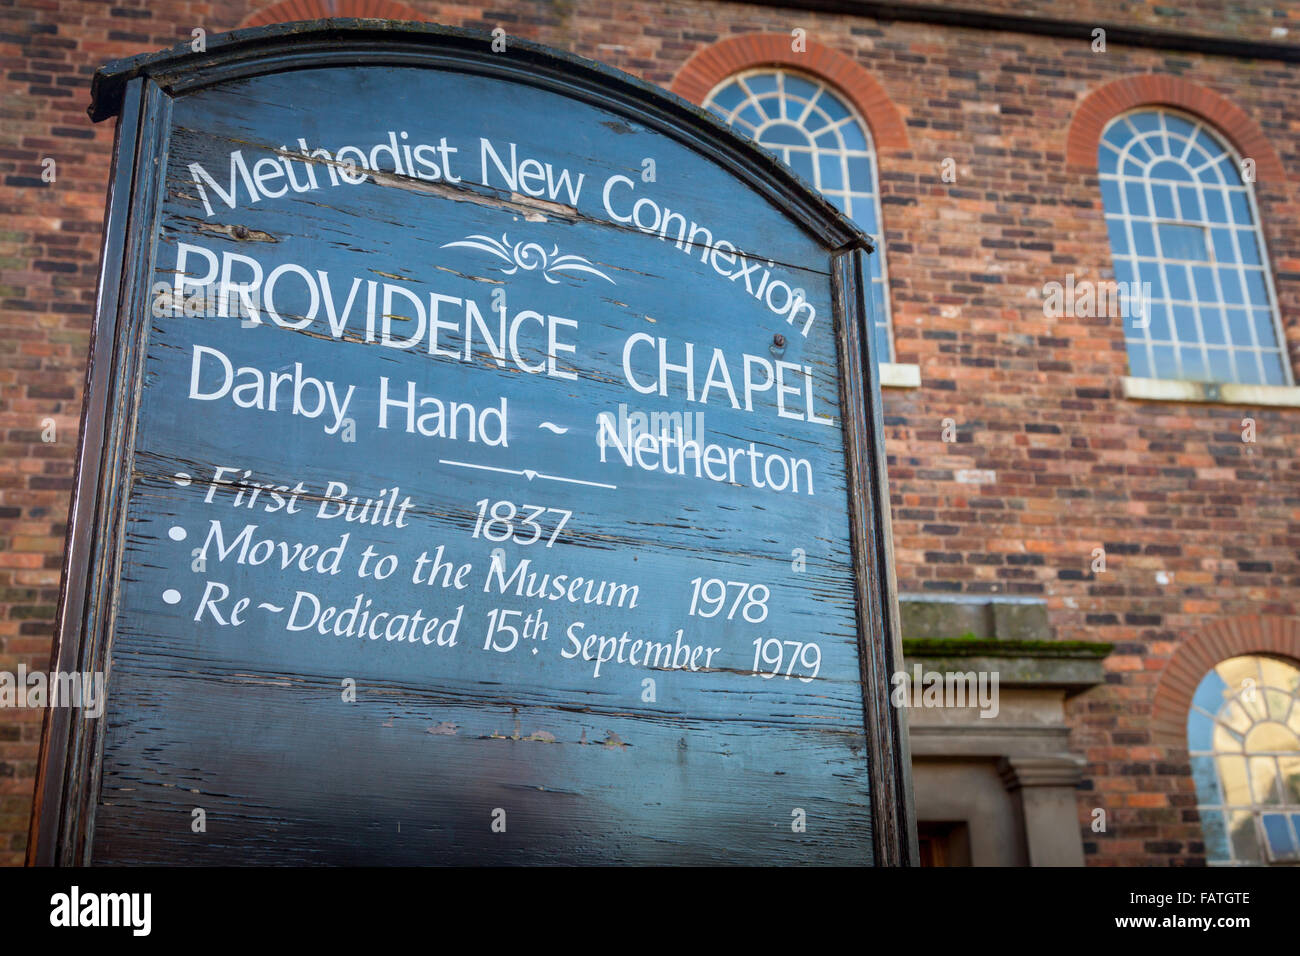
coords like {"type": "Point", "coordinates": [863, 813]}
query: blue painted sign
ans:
{"type": "Point", "coordinates": [488, 488]}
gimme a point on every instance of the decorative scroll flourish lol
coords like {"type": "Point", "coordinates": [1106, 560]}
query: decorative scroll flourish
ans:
{"type": "Point", "coordinates": [529, 256]}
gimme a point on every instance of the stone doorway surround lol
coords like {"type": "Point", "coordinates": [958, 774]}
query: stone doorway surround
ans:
{"type": "Point", "coordinates": [1005, 771]}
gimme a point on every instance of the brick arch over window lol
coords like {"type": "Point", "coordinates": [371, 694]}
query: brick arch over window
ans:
{"type": "Point", "coordinates": [710, 66]}
{"type": "Point", "coordinates": [1104, 104]}
{"type": "Point", "coordinates": [1274, 636]}
{"type": "Point", "coordinates": [287, 11]}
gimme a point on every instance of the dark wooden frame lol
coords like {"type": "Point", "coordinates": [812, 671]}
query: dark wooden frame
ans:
{"type": "Point", "coordinates": [139, 92]}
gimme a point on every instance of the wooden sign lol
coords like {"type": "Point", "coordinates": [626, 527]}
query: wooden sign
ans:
{"type": "Point", "coordinates": [481, 464]}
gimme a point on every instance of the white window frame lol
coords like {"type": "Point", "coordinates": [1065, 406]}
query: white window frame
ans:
{"type": "Point", "coordinates": [1131, 258]}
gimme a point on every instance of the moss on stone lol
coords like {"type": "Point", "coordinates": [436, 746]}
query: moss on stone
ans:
{"type": "Point", "coordinates": [969, 646]}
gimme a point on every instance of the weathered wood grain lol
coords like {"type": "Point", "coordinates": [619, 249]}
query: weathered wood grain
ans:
{"type": "Point", "coordinates": [255, 723]}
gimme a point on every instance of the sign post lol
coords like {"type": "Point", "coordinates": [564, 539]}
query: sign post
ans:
{"type": "Point", "coordinates": [481, 463]}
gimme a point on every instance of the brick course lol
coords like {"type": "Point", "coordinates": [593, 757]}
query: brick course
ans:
{"type": "Point", "coordinates": [1165, 488]}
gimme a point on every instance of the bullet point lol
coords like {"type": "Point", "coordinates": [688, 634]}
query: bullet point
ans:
{"type": "Point", "coordinates": [177, 533]}
{"type": "Point", "coordinates": [181, 479]}
{"type": "Point", "coordinates": [172, 596]}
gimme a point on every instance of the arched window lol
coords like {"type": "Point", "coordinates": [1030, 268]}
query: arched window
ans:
{"type": "Point", "coordinates": [1183, 221]}
{"type": "Point", "coordinates": [818, 135]}
{"type": "Point", "coordinates": [1243, 736]}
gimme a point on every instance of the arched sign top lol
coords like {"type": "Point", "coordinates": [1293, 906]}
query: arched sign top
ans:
{"type": "Point", "coordinates": [317, 44]}
{"type": "Point", "coordinates": [482, 463]}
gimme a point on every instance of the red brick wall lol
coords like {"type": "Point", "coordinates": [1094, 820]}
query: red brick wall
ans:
{"type": "Point", "coordinates": [1244, 19]}
{"type": "Point", "coordinates": [1163, 487]}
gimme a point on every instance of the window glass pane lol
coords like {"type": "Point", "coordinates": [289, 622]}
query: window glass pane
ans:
{"type": "Point", "coordinates": [1109, 192]}
{"type": "Point", "coordinates": [1256, 291]}
{"type": "Point", "coordinates": [864, 213]}
{"type": "Point", "coordinates": [750, 116]}
{"type": "Point", "coordinates": [1220, 365]}
{"type": "Point", "coordinates": [797, 86]}
{"type": "Point", "coordinates": [830, 139]}
{"type": "Point", "coordinates": [1221, 173]}
{"type": "Point", "coordinates": [1264, 785]}
{"type": "Point", "coordinates": [1149, 272]}
{"type": "Point", "coordinates": [1215, 208]}
{"type": "Point", "coordinates": [1245, 843]}
{"type": "Point", "coordinates": [1143, 122]}
{"type": "Point", "coordinates": [830, 173]}
{"type": "Point", "coordinates": [1265, 332]}
{"type": "Point", "coordinates": [1182, 242]}
{"type": "Point", "coordinates": [1117, 136]}
{"type": "Point", "coordinates": [854, 137]}
{"type": "Point", "coordinates": [1224, 250]}
{"type": "Point", "coordinates": [1234, 715]}
{"type": "Point", "coordinates": [1248, 369]}
{"type": "Point", "coordinates": [1189, 205]}
{"type": "Point", "coordinates": [1171, 171]}
{"type": "Point", "coordinates": [861, 177]}
{"type": "Point", "coordinates": [1207, 780]}
{"type": "Point", "coordinates": [1182, 129]}
{"type": "Point", "coordinates": [1253, 704]}
{"type": "Point", "coordinates": [1290, 770]}
{"type": "Point", "coordinates": [1204, 141]}
{"type": "Point", "coordinates": [1139, 365]}
{"type": "Point", "coordinates": [1162, 196]}
{"type": "Point", "coordinates": [1200, 728]}
{"type": "Point", "coordinates": [1238, 326]}
{"type": "Point", "coordinates": [1165, 365]}
{"type": "Point", "coordinates": [1144, 242]}
{"type": "Point", "coordinates": [783, 134]}
{"type": "Point", "coordinates": [1216, 836]}
{"type": "Point", "coordinates": [1240, 208]}
{"type": "Point", "coordinates": [1159, 322]}
{"type": "Point", "coordinates": [1232, 777]}
{"type": "Point", "coordinates": [1269, 736]}
{"type": "Point", "coordinates": [1118, 236]}
{"type": "Point", "coordinates": [1226, 739]}
{"type": "Point", "coordinates": [1212, 327]}
{"type": "Point", "coordinates": [1205, 288]}
{"type": "Point", "coordinates": [1194, 367]}
{"type": "Point", "coordinates": [1230, 284]}
{"type": "Point", "coordinates": [771, 105]}
{"type": "Point", "coordinates": [1273, 371]}
{"type": "Point", "coordinates": [1176, 282]}
{"type": "Point", "coordinates": [1135, 324]}
{"type": "Point", "coordinates": [1136, 195]}
{"type": "Point", "coordinates": [1236, 670]}
{"type": "Point", "coordinates": [1249, 250]}
{"type": "Point", "coordinates": [831, 103]}
{"type": "Point", "coordinates": [1278, 835]}
{"type": "Point", "coordinates": [1210, 694]}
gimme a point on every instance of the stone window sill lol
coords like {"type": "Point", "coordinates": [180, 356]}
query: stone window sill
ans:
{"type": "Point", "coordinates": [1175, 390]}
{"type": "Point", "coordinates": [895, 375]}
